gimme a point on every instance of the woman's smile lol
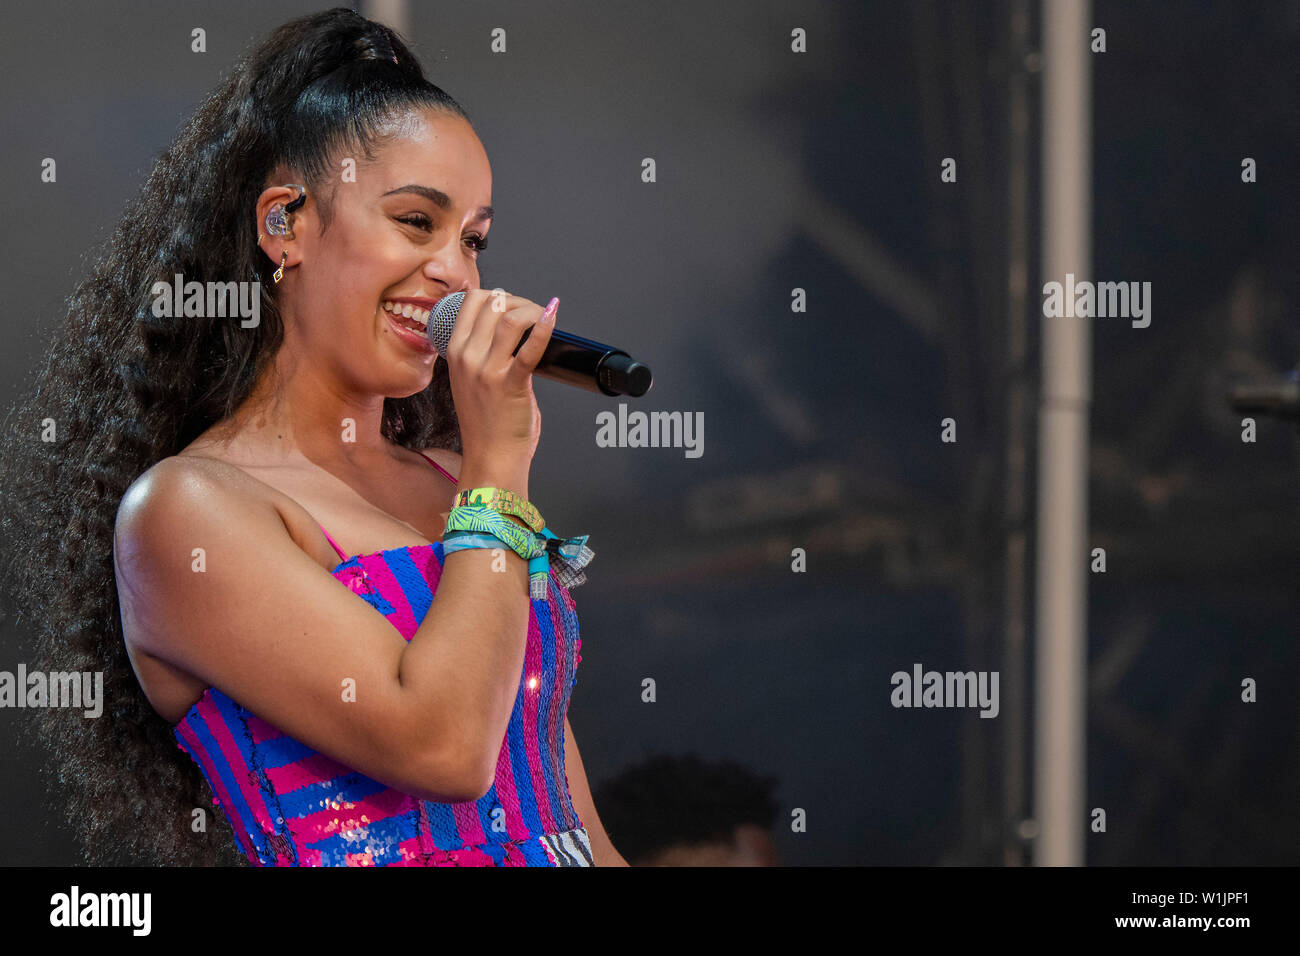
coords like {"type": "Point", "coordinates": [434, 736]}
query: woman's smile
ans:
{"type": "Point", "coordinates": [409, 324]}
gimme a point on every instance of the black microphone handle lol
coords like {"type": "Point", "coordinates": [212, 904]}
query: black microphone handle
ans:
{"type": "Point", "coordinates": [573, 360]}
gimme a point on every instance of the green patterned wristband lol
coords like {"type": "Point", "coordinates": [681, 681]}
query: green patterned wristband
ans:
{"type": "Point", "coordinates": [483, 520]}
{"type": "Point", "coordinates": [504, 501]}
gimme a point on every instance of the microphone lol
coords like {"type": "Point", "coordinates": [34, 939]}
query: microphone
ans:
{"type": "Point", "coordinates": [568, 358]}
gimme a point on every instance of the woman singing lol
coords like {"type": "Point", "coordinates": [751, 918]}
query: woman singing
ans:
{"type": "Point", "coordinates": [171, 483]}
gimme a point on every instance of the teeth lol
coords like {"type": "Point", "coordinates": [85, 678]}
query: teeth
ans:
{"type": "Point", "coordinates": [407, 310]}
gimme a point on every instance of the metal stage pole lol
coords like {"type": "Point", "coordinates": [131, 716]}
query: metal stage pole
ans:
{"type": "Point", "coordinates": [1061, 620]}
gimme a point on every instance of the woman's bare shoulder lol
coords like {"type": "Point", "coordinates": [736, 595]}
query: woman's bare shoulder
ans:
{"type": "Point", "coordinates": [195, 477]}
{"type": "Point", "coordinates": [183, 489]}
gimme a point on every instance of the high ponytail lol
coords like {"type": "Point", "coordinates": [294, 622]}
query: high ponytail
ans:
{"type": "Point", "coordinates": [122, 389]}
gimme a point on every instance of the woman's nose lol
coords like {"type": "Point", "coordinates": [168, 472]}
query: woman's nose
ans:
{"type": "Point", "coordinates": [450, 267]}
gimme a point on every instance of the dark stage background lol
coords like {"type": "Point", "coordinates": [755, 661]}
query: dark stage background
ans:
{"type": "Point", "coordinates": [820, 171]}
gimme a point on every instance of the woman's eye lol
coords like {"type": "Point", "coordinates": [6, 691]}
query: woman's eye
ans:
{"type": "Point", "coordinates": [476, 241]}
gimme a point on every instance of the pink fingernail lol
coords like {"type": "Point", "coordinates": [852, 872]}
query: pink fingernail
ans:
{"type": "Point", "coordinates": [550, 308]}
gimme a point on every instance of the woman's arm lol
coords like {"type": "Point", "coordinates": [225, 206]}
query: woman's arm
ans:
{"type": "Point", "coordinates": [262, 621]}
{"type": "Point", "coordinates": [602, 851]}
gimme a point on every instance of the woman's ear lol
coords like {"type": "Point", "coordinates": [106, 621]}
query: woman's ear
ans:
{"type": "Point", "coordinates": [279, 210]}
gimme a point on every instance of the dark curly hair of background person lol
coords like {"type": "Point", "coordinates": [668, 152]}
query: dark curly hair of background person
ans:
{"type": "Point", "coordinates": [667, 801]}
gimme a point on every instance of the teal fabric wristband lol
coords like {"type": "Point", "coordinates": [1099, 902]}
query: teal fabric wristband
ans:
{"type": "Point", "coordinates": [470, 526]}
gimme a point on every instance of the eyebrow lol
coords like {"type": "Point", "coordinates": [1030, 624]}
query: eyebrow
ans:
{"type": "Point", "coordinates": [439, 199]}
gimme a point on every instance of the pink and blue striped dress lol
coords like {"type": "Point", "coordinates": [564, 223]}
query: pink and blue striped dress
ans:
{"type": "Point", "coordinates": [290, 805]}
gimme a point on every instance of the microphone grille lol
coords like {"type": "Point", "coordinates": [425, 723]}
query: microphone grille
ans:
{"type": "Point", "coordinates": [443, 319]}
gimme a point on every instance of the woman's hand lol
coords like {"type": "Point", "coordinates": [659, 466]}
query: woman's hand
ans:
{"type": "Point", "coordinates": [500, 423]}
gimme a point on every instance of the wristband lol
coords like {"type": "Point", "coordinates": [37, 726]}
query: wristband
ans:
{"type": "Point", "coordinates": [504, 501]}
{"type": "Point", "coordinates": [454, 541]}
{"type": "Point", "coordinates": [471, 526]}
{"type": "Point", "coordinates": [480, 520]}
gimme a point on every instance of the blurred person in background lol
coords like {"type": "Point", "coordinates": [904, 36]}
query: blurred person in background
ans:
{"type": "Point", "coordinates": [684, 811]}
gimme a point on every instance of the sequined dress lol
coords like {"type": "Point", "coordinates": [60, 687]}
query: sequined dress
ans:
{"type": "Point", "coordinates": [290, 805]}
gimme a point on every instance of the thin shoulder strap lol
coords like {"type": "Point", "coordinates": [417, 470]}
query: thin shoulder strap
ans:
{"type": "Point", "coordinates": [333, 543]}
{"type": "Point", "coordinates": [436, 465]}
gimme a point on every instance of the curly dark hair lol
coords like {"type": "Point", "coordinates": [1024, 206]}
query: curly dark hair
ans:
{"type": "Point", "coordinates": [666, 801]}
{"type": "Point", "coordinates": [123, 389]}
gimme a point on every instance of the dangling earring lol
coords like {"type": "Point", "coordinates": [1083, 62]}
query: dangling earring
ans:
{"type": "Point", "coordinates": [279, 273]}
